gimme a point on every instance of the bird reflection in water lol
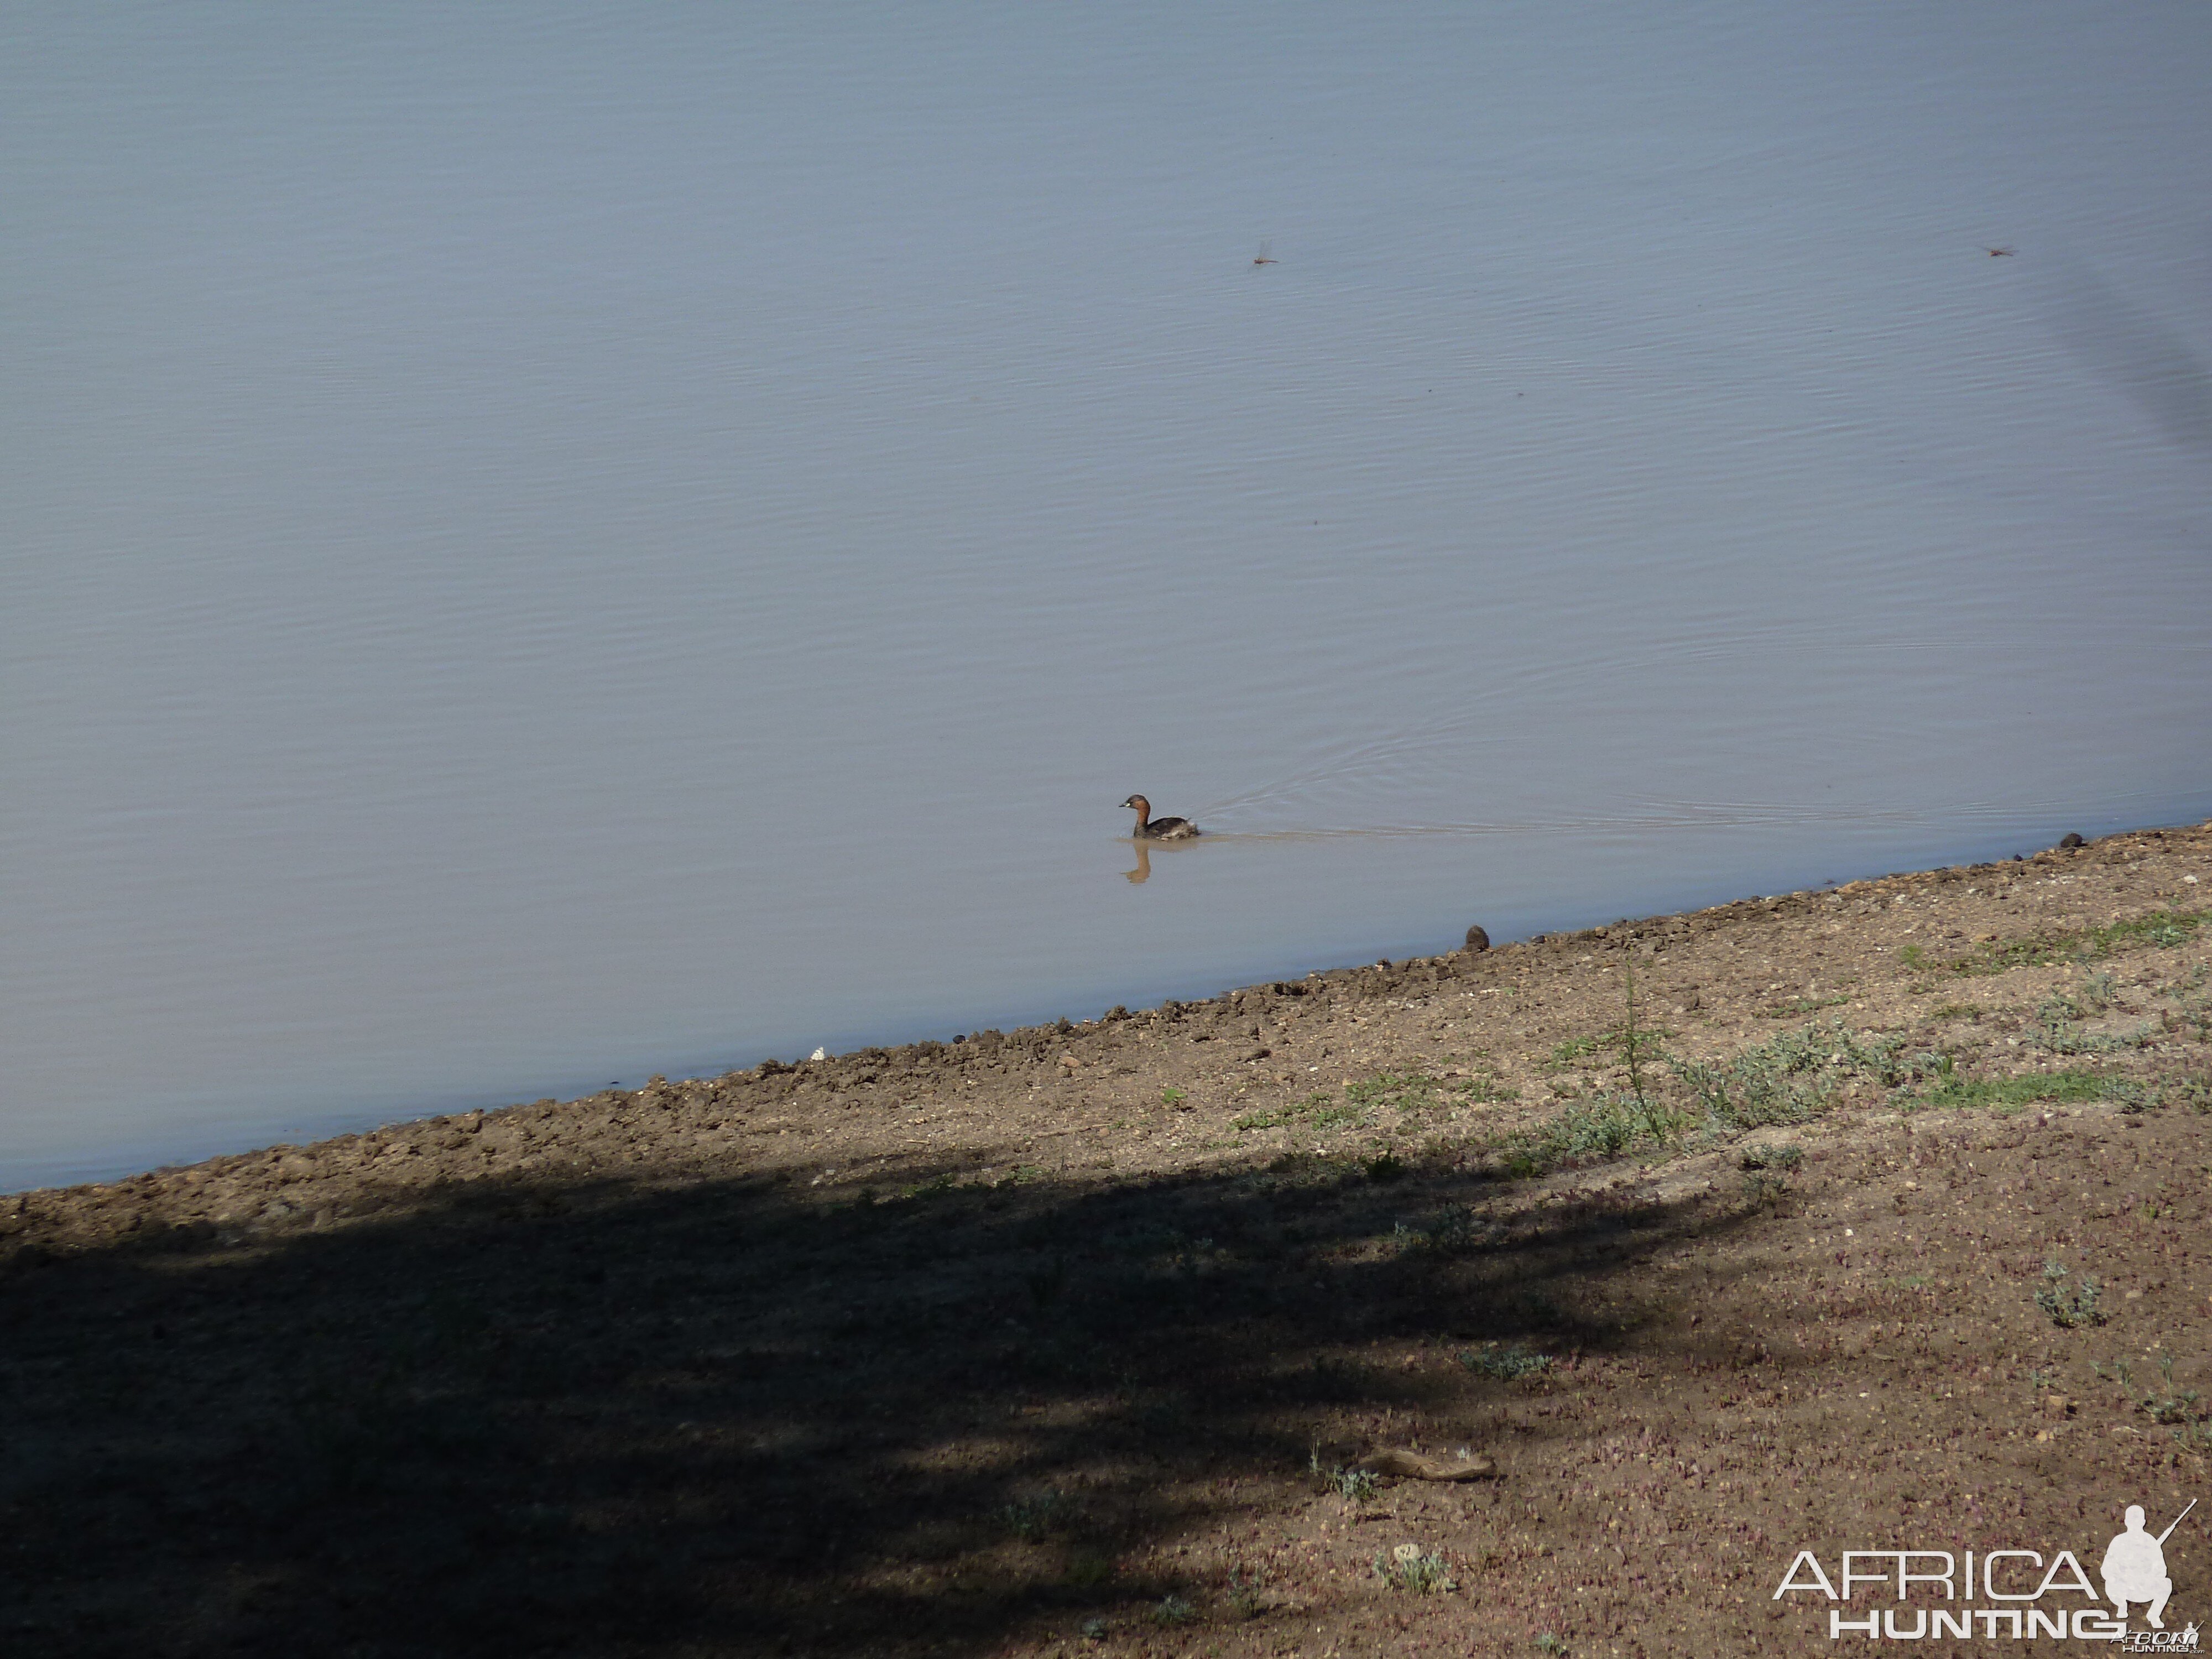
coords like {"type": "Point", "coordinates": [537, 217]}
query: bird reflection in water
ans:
{"type": "Point", "coordinates": [1143, 872]}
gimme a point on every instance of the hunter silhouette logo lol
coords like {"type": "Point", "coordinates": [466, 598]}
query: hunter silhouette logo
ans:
{"type": "Point", "coordinates": [2025, 1597]}
{"type": "Point", "coordinates": [2135, 1567]}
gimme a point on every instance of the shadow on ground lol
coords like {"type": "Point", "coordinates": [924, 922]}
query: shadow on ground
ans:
{"type": "Point", "coordinates": [737, 1417]}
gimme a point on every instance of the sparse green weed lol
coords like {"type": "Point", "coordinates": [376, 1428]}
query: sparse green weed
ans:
{"type": "Point", "coordinates": [2135, 1098]}
{"type": "Point", "coordinates": [1476, 1091]}
{"type": "Point", "coordinates": [1033, 1518]}
{"type": "Point", "coordinates": [1088, 1571]}
{"type": "Point", "coordinates": [2194, 1436]}
{"type": "Point", "coordinates": [1410, 1568]}
{"type": "Point", "coordinates": [1509, 1364]}
{"type": "Point", "coordinates": [1173, 1610]}
{"type": "Point", "coordinates": [2003, 1092]}
{"type": "Point", "coordinates": [1352, 1485]}
{"type": "Point", "coordinates": [1317, 1111]}
{"type": "Point", "coordinates": [1616, 1039]}
{"type": "Point", "coordinates": [2057, 1032]}
{"type": "Point", "coordinates": [1448, 1232]}
{"type": "Point", "coordinates": [1409, 1091]}
{"type": "Point", "coordinates": [1602, 1126]}
{"type": "Point", "coordinates": [2068, 1308]}
{"type": "Point", "coordinates": [2169, 1405]}
{"type": "Point", "coordinates": [1798, 1007]}
{"type": "Point", "coordinates": [1790, 1077]}
{"type": "Point", "coordinates": [1244, 1599]}
{"type": "Point", "coordinates": [1764, 1187]}
{"type": "Point", "coordinates": [2169, 927]}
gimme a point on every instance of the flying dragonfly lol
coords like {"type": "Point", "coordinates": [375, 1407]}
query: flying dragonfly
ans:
{"type": "Point", "coordinates": [1267, 254]}
{"type": "Point", "coordinates": [2000, 254]}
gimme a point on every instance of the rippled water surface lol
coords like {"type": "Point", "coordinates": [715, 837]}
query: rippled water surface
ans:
{"type": "Point", "coordinates": [548, 546]}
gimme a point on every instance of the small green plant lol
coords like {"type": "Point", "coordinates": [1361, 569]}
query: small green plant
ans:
{"type": "Point", "coordinates": [1173, 1610]}
{"type": "Point", "coordinates": [1798, 1007]}
{"type": "Point", "coordinates": [1317, 1111]}
{"type": "Point", "coordinates": [2068, 1308]}
{"type": "Point", "coordinates": [2167, 1404]}
{"type": "Point", "coordinates": [2010, 1093]}
{"type": "Point", "coordinates": [1090, 1571]}
{"type": "Point", "coordinates": [1772, 1157]}
{"type": "Point", "coordinates": [1171, 1096]}
{"type": "Point", "coordinates": [2163, 930]}
{"type": "Point", "coordinates": [2057, 1031]}
{"type": "Point", "coordinates": [1509, 1364]}
{"type": "Point", "coordinates": [1409, 1567]}
{"type": "Point", "coordinates": [1572, 1052]}
{"type": "Point", "coordinates": [1764, 1187]}
{"type": "Point", "coordinates": [1602, 1127]}
{"type": "Point", "coordinates": [1033, 1518]}
{"type": "Point", "coordinates": [1632, 1050]}
{"type": "Point", "coordinates": [1548, 1644]}
{"type": "Point", "coordinates": [1790, 1077]}
{"type": "Point", "coordinates": [1949, 1011]}
{"type": "Point", "coordinates": [1615, 1040]}
{"type": "Point", "coordinates": [1244, 1599]}
{"type": "Point", "coordinates": [1353, 1486]}
{"type": "Point", "coordinates": [2135, 1098]}
{"type": "Point", "coordinates": [1448, 1232]}
{"type": "Point", "coordinates": [1092, 1630]}
{"type": "Point", "coordinates": [2042, 1379]}
{"type": "Point", "coordinates": [1474, 1091]}
{"type": "Point", "coordinates": [1410, 1092]}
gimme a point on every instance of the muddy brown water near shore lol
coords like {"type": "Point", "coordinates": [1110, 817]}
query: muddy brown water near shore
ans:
{"type": "Point", "coordinates": [1064, 1339]}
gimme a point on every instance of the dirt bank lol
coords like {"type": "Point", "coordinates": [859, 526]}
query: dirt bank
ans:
{"type": "Point", "coordinates": [1073, 1337]}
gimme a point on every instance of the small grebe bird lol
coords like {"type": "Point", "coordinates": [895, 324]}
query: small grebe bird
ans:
{"type": "Point", "coordinates": [1151, 828]}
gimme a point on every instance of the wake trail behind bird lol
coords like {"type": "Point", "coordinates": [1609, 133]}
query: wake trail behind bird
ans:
{"type": "Point", "coordinates": [1656, 817]}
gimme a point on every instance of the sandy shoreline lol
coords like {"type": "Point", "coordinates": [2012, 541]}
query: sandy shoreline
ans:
{"type": "Point", "coordinates": [1051, 1339]}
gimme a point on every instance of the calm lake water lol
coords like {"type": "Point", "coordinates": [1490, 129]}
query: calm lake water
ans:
{"type": "Point", "coordinates": [546, 546]}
